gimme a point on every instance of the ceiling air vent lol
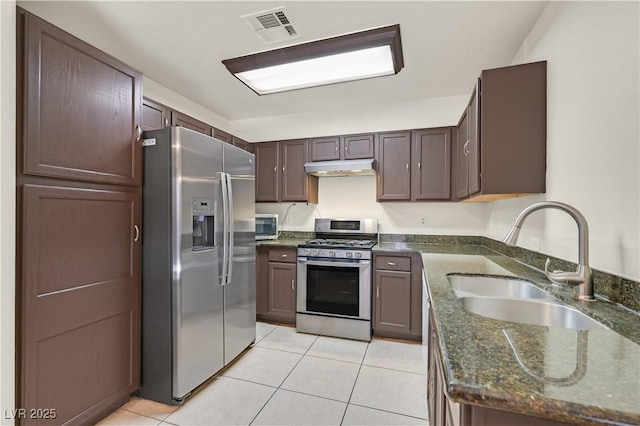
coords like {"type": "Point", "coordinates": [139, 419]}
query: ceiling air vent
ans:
{"type": "Point", "coordinates": [272, 26]}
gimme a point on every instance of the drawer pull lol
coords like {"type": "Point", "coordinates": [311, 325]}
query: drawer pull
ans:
{"type": "Point", "coordinates": [283, 256]}
{"type": "Point", "coordinates": [392, 263]}
{"type": "Point", "coordinates": [293, 284]}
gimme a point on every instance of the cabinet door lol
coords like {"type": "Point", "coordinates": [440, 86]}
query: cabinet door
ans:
{"type": "Point", "coordinates": [323, 149]}
{"type": "Point", "coordinates": [294, 178]}
{"type": "Point", "coordinates": [431, 159]}
{"type": "Point", "coordinates": [474, 143]}
{"type": "Point", "coordinates": [82, 109]}
{"type": "Point", "coordinates": [394, 157]}
{"type": "Point", "coordinates": [222, 136]}
{"type": "Point", "coordinates": [462, 158]}
{"type": "Point", "coordinates": [80, 295]}
{"type": "Point", "coordinates": [282, 291]}
{"type": "Point", "coordinates": [267, 175]}
{"type": "Point", "coordinates": [393, 301]}
{"type": "Point", "coordinates": [358, 146]}
{"type": "Point", "coordinates": [243, 144]}
{"type": "Point", "coordinates": [183, 120]}
{"type": "Point", "coordinates": [154, 115]}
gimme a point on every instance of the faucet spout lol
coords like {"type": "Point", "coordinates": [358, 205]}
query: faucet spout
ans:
{"type": "Point", "coordinates": [581, 279]}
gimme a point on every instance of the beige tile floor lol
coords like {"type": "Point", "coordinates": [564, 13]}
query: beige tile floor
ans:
{"type": "Point", "coordinates": [288, 378]}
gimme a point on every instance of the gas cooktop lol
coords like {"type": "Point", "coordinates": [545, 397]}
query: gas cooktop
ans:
{"type": "Point", "coordinates": [338, 243]}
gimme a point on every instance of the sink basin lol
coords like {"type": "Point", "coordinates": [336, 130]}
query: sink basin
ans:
{"type": "Point", "coordinates": [470, 285]}
{"type": "Point", "coordinates": [530, 311]}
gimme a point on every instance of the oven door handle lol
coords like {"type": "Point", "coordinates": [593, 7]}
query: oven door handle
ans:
{"type": "Point", "coordinates": [358, 264]}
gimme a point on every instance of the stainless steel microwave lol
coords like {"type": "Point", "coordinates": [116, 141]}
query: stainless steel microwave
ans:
{"type": "Point", "coordinates": [266, 226]}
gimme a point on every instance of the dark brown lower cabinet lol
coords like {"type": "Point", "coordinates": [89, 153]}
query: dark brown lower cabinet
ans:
{"type": "Point", "coordinates": [397, 306]}
{"type": "Point", "coordinates": [445, 412]}
{"type": "Point", "coordinates": [80, 298]}
{"type": "Point", "coordinates": [276, 284]}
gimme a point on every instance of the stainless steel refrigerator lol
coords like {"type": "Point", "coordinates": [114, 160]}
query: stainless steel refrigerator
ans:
{"type": "Point", "coordinates": [198, 260]}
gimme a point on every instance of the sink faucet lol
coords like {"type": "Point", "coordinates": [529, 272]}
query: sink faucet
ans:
{"type": "Point", "coordinates": [580, 280]}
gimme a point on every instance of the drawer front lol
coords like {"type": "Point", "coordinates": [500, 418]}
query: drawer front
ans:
{"type": "Point", "coordinates": [393, 263]}
{"type": "Point", "coordinates": [287, 255]}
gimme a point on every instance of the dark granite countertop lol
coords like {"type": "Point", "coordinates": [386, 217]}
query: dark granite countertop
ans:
{"type": "Point", "coordinates": [547, 377]}
{"type": "Point", "coordinates": [281, 242]}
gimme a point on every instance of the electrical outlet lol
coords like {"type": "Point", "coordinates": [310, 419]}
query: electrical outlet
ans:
{"type": "Point", "coordinates": [535, 244]}
{"type": "Point", "coordinates": [423, 220]}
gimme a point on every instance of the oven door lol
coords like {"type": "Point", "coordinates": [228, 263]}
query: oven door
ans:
{"type": "Point", "coordinates": [334, 287]}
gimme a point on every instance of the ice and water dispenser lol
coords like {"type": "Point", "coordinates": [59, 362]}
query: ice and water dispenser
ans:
{"type": "Point", "coordinates": [203, 223]}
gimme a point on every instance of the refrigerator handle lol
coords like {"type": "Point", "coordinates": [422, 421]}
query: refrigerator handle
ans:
{"type": "Point", "coordinates": [231, 229]}
{"type": "Point", "coordinates": [225, 226]}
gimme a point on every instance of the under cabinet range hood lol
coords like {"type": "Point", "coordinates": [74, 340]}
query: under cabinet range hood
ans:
{"type": "Point", "coordinates": [341, 168]}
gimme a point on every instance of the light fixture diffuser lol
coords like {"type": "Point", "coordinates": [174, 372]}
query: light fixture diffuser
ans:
{"type": "Point", "coordinates": [355, 56]}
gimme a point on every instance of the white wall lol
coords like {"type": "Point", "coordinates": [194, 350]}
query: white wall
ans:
{"type": "Point", "coordinates": [339, 121]}
{"type": "Point", "coordinates": [593, 137]}
{"type": "Point", "coordinates": [355, 196]}
{"type": "Point", "coordinates": [7, 205]}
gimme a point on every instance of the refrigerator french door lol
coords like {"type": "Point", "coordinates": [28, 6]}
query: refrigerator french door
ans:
{"type": "Point", "coordinates": [198, 279]}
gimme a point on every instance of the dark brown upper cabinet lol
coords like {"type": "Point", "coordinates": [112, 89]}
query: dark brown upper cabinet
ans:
{"type": "Point", "coordinates": [69, 133]}
{"type": "Point", "coordinates": [356, 147]}
{"type": "Point", "coordinates": [243, 144]}
{"type": "Point", "coordinates": [280, 174]}
{"type": "Point", "coordinates": [394, 159]}
{"type": "Point", "coordinates": [351, 147]}
{"type": "Point", "coordinates": [222, 136]}
{"type": "Point", "coordinates": [325, 149]}
{"type": "Point", "coordinates": [267, 175]}
{"type": "Point", "coordinates": [183, 120]}
{"type": "Point", "coordinates": [414, 166]}
{"type": "Point", "coordinates": [431, 164]}
{"type": "Point", "coordinates": [154, 115]}
{"type": "Point", "coordinates": [506, 128]}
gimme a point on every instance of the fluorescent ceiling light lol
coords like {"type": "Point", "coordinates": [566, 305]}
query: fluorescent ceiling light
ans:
{"type": "Point", "coordinates": [355, 56]}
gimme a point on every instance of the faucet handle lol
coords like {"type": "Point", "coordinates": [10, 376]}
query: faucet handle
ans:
{"type": "Point", "coordinates": [559, 277]}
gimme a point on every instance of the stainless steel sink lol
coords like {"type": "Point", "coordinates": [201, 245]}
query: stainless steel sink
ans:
{"type": "Point", "coordinates": [469, 285]}
{"type": "Point", "coordinates": [530, 311]}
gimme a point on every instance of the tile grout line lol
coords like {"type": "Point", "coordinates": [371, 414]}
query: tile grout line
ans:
{"type": "Point", "coordinates": [354, 383]}
{"type": "Point", "coordinates": [278, 388]}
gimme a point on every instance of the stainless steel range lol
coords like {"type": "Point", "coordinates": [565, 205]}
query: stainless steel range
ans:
{"type": "Point", "coordinates": [334, 279]}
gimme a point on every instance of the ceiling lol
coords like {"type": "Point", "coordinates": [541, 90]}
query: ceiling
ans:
{"type": "Point", "coordinates": [180, 44]}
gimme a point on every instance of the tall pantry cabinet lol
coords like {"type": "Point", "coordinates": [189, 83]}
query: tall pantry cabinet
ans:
{"type": "Point", "coordinates": [78, 235]}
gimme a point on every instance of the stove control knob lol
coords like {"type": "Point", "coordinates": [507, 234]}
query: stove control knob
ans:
{"type": "Point", "coordinates": [315, 252]}
{"type": "Point", "coordinates": [349, 254]}
{"type": "Point", "coordinates": [358, 254]}
{"type": "Point", "coordinates": [332, 253]}
{"type": "Point", "coordinates": [307, 252]}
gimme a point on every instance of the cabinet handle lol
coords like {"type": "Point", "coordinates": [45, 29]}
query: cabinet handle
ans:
{"type": "Point", "coordinates": [346, 149]}
{"type": "Point", "coordinates": [138, 133]}
{"type": "Point", "coordinates": [283, 256]}
{"type": "Point", "coordinates": [391, 263]}
{"type": "Point", "coordinates": [419, 165]}
{"type": "Point", "coordinates": [282, 169]}
{"type": "Point", "coordinates": [275, 169]}
{"type": "Point", "coordinates": [336, 149]}
{"type": "Point", "coordinates": [407, 166]}
{"type": "Point", "coordinates": [136, 238]}
{"type": "Point", "coordinates": [166, 122]}
{"type": "Point", "coordinates": [293, 284]}
{"type": "Point", "coordinates": [377, 292]}
{"type": "Point", "coordinates": [466, 148]}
